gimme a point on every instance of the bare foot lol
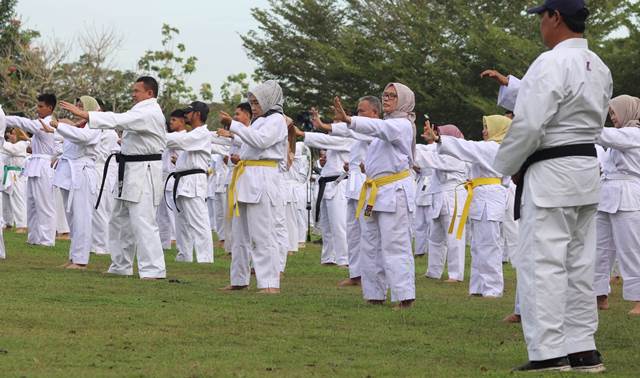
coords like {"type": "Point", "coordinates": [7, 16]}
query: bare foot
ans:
{"type": "Point", "coordinates": [451, 280]}
{"type": "Point", "coordinates": [65, 265]}
{"type": "Point", "coordinates": [76, 267]}
{"type": "Point", "coordinates": [376, 302]}
{"type": "Point", "coordinates": [302, 245]}
{"type": "Point", "coordinates": [403, 305]}
{"type": "Point", "coordinates": [345, 267]}
{"type": "Point", "coordinates": [21, 230]}
{"type": "Point", "coordinates": [270, 290]}
{"type": "Point", "coordinates": [512, 318]}
{"type": "Point", "coordinates": [617, 280]}
{"type": "Point", "coordinates": [603, 302]}
{"type": "Point", "coordinates": [349, 282]}
{"type": "Point", "coordinates": [233, 288]}
{"type": "Point", "coordinates": [64, 236]}
{"type": "Point", "coordinates": [290, 253]}
{"type": "Point", "coordinates": [636, 310]}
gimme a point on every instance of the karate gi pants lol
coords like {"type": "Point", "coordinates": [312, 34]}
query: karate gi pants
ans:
{"type": "Point", "coordinates": [422, 225]}
{"type": "Point", "coordinates": [254, 237]}
{"type": "Point", "coordinates": [211, 210]}
{"type": "Point", "coordinates": [41, 211]}
{"type": "Point", "coordinates": [291, 214]}
{"type": "Point", "coordinates": [555, 262]}
{"type": "Point", "coordinates": [220, 204]}
{"type": "Point", "coordinates": [166, 220]}
{"type": "Point", "coordinates": [618, 237]}
{"type": "Point", "coordinates": [62, 226]}
{"type": "Point", "coordinates": [333, 224]}
{"type": "Point", "coordinates": [355, 229]}
{"type": "Point", "coordinates": [282, 234]}
{"type": "Point", "coordinates": [79, 216]}
{"type": "Point", "coordinates": [18, 202]}
{"type": "Point", "coordinates": [7, 212]}
{"type": "Point", "coordinates": [193, 231]}
{"type": "Point", "coordinates": [509, 230]}
{"type": "Point", "coordinates": [3, 253]}
{"type": "Point", "coordinates": [386, 256]}
{"type": "Point", "coordinates": [303, 217]}
{"type": "Point", "coordinates": [486, 258]}
{"type": "Point", "coordinates": [102, 215]}
{"type": "Point", "coordinates": [444, 246]}
{"type": "Point", "coordinates": [133, 230]}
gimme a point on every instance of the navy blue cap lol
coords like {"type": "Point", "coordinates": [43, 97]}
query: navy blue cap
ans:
{"type": "Point", "coordinates": [566, 7]}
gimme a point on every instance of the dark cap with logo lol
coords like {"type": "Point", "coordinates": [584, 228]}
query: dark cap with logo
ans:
{"type": "Point", "coordinates": [196, 106]}
{"type": "Point", "coordinates": [566, 7]}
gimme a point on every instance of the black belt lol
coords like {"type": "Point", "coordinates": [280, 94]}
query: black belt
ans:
{"type": "Point", "coordinates": [322, 182]}
{"type": "Point", "coordinates": [122, 159]}
{"type": "Point", "coordinates": [177, 176]}
{"type": "Point", "coordinates": [587, 150]}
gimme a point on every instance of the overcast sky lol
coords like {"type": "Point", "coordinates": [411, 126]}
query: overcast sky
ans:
{"type": "Point", "coordinates": [209, 29]}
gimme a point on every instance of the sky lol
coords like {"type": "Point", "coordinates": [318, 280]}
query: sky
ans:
{"type": "Point", "coordinates": [210, 29]}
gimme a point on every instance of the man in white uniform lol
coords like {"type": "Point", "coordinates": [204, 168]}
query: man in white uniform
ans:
{"type": "Point", "coordinates": [193, 230]}
{"type": "Point", "coordinates": [561, 108]}
{"type": "Point", "coordinates": [133, 228]}
{"type": "Point", "coordinates": [41, 212]}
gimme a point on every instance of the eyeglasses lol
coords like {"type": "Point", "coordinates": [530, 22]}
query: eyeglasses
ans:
{"type": "Point", "coordinates": [389, 96]}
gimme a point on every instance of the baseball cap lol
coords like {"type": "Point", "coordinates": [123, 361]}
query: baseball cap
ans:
{"type": "Point", "coordinates": [566, 7]}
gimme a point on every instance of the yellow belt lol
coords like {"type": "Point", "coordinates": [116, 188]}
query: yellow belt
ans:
{"type": "Point", "coordinates": [469, 186]}
{"type": "Point", "coordinates": [232, 200]}
{"type": "Point", "coordinates": [374, 184]}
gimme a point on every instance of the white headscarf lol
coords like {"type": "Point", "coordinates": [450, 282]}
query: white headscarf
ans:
{"type": "Point", "coordinates": [269, 96]}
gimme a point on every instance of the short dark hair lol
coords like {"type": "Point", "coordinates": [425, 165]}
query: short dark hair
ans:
{"type": "Point", "coordinates": [179, 113]}
{"type": "Point", "coordinates": [150, 84]}
{"type": "Point", "coordinates": [49, 99]}
{"type": "Point", "coordinates": [245, 107]}
{"type": "Point", "coordinates": [576, 23]}
{"type": "Point", "coordinates": [101, 104]}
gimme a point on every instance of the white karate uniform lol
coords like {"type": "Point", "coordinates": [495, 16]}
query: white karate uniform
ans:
{"type": "Point", "coordinates": [15, 188]}
{"type": "Point", "coordinates": [355, 226]}
{"type": "Point", "coordinates": [77, 179]}
{"type": "Point", "coordinates": [563, 100]}
{"type": "Point", "coordinates": [100, 230]}
{"type": "Point", "coordinates": [487, 213]}
{"type": "Point", "coordinates": [254, 231]}
{"type": "Point", "coordinates": [424, 200]}
{"type": "Point", "coordinates": [333, 207]}
{"type": "Point", "coordinates": [510, 226]}
{"type": "Point", "coordinates": [280, 213]}
{"type": "Point", "coordinates": [618, 219]}
{"type": "Point", "coordinates": [193, 230]}
{"type": "Point", "coordinates": [133, 229]}
{"type": "Point", "coordinates": [292, 178]}
{"type": "Point", "coordinates": [448, 174]}
{"type": "Point", "coordinates": [224, 147]}
{"type": "Point", "coordinates": [301, 165]}
{"type": "Point", "coordinates": [386, 256]}
{"type": "Point", "coordinates": [166, 217]}
{"type": "Point", "coordinates": [41, 212]}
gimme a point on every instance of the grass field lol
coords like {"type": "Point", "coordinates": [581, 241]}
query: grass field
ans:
{"type": "Point", "coordinates": [56, 323]}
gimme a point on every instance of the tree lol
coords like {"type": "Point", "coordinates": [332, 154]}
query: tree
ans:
{"type": "Point", "coordinates": [320, 48]}
{"type": "Point", "coordinates": [173, 69]}
{"type": "Point", "coordinates": [234, 90]}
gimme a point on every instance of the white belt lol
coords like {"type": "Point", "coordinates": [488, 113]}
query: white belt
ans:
{"type": "Point", "coordinates": [75, 164]}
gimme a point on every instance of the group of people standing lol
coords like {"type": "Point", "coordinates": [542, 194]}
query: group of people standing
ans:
{"type": "Point", "coordinates": [547, 188]}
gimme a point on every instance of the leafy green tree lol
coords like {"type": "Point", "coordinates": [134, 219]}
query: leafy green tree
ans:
{"type": "Point", "coordinates": [173, 69]}
{"type": "Point", "coordinates": [321, 48]}
{"type": "Point", "coordinates": [234, 90]}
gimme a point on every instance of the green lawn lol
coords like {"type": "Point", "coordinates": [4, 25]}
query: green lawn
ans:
{"type": "Point", "coordinates": [56, 323]}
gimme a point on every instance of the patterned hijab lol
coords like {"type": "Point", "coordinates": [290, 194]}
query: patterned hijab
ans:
{"type": "Point", "coordinates": [269, 96]}
{"type": "Point", "coordinates": [497, 127]}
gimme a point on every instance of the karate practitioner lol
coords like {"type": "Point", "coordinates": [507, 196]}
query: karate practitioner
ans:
{"type": "Point", "coordinates": [253, 192]}
{"type": "Point", "coordinates": [3, 127]}
{"type": "Point", "coordinates": [618, 218]}
{"type": "Point", "coordinates": [77, 179]}
{"type": "Point", "coordinates": [15, 183]}
{"type": "Point", "coordinates": [331, 203]}
{"type": "Point", "coordinates": [100, 231]}
{"type": "Point", "coordinates": [448, 174]}
{"type": "Point", "coordinates": [487, 208]}
{"type": "Point", "coordinates": [387, 198]}
{"type": "Point", "coordinates": [133, 229]}
{"type": "Point", "coordinates": [193, 230]}
{"type": "Point", "coordinates": [166, 217]}
{"type": "Point", "coordinates": [560, 109]}
{"type": "Point", "coordinates": [41, 212]}
{"type": "Point", "coordinates": [422, 221]}
{"type": "Point", "coordinates": [302, 164]}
